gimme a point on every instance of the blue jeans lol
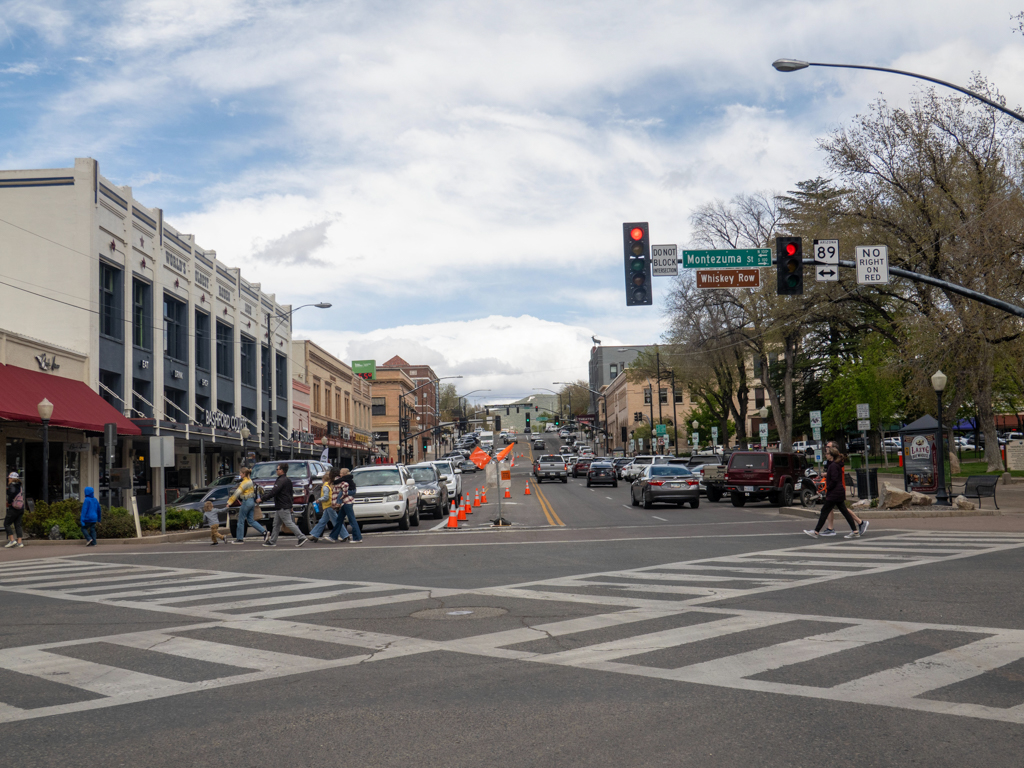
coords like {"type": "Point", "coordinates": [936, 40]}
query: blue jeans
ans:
{"type": "Point", "coordinates": [347, 512]}
{"type": "Point", "coordinates": [89, 529]}
{"type": "Point", "coordinates": [245, 517]}
{"type": "Point", "coordinates": [329, 516]}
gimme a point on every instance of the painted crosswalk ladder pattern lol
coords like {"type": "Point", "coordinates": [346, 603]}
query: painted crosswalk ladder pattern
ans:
{"type": "Point", "coordinates": [657, 621]}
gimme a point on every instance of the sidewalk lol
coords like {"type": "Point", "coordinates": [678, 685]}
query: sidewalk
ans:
{"type": "Point", "coordinates": [1009, 518]}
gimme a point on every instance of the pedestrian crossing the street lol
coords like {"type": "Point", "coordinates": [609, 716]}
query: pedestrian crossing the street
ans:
{"type": "Point", "coordinates": [655, 622]}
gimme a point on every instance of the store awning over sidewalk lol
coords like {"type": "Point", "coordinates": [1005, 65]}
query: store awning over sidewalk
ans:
{"type": "Point", "coordinates": [75, 406]}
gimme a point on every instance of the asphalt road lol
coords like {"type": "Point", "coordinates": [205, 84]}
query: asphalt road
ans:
{"type": "Point", "coordinates": [589, 634]}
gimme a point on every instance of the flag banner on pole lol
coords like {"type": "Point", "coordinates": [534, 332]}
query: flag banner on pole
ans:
{"type": "Point", "coordinates": [479, 458]}
{"type": "Point", "coordinates": [323, 456]}
{"type": "Point", "coordinates": [504, 454]}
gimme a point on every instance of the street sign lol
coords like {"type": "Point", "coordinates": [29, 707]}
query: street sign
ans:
{"type": "Point", "coordinates": [863, 411]}
{"type": "Point", "coordinates": [817, 455]}
{"type": "Point", "coordinates": [714, 435]}
{"type": "Point", "coordinates": [696, 438]}
{"type": "Point", "coordinates": [863, 425]}
{"type": "Point", "coordinates": [815, 419]}
{"type": "Point", "coordinates": [661, 441]}
{"type": "Point", "coordinates": [817, 433]}
{"type": "Point", "coordinates": [664, 260]}
{"type": "Point", "coordinates": [661, 430]}
{"type": "Point", "coordinates": [826, 252]}
{"type": "Point", "coordinates": [728, 278]}
{"type": "Point", "coordinates": [161, 451]}
{"type": "Point", "coordinates": [632, 446]}
{"type": "Point", "coordinates": [826, 273]}
{"type": "Point", "coordinates": [734, 258]}
{"type": "Point", "coordinates": [763, 429]}
{"type": "Point", "coordinates": [506, 476]}
{"type": "Point", "coordinates": [872, 264]}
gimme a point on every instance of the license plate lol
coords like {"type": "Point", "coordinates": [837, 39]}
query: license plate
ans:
{"type": "Point", "coordinates": [674, 485]}
{"type": "Point", "coordinates": [748, 488]}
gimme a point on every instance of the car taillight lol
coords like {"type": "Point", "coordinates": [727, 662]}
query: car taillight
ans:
{"type": "Point", "coordinates": [656, 482]}
{"type": "Point", "coordinates": [692, 482]}
{"type": "Point", "coordinates": [771, 478]}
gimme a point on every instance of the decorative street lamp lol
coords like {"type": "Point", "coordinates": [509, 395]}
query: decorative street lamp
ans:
{"type": "Point", "coordinates": [45, 409]}
{"type": "Point", "coordinates": [938, 384]}
{"type": "Point", "coordinates": [245, 433]}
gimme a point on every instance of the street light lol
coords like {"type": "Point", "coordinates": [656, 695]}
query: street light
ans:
{"type": "Point", "coordinates": [599, 394]}
{"type": "Point", "coordinates": [938, 384]}
{"type": "Point", "coordinates": [45, 409]}
{"type": "Point", "coordinates": [245, 433]}
{"type": "Point", "coordinates": [272, 370]}
{"type": "Point", "coordinates": [559, 396]}
{"type": "Point", "coordinates": [695, 424]}
{"type": "Point", "coordinates": [792, 65]}
{"type": "Point", "coordinates": [403, 435]}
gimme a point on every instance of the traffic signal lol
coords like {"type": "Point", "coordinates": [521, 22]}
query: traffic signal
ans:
{"type": "Point", "coordinates": [789, 265]}
{"type": "Point", "coordinates": [527, 421]}
{"type": "Point", "coordinates": [536, 409]}
{"type": "Point", "coordinates": [506, 411]}
{"type": "Point", "coordinates": [497, 423]}
{"type": "Point", "coordinates": [637, 245]}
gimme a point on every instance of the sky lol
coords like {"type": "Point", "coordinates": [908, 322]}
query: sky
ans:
{"type": "Point", "coordinates": [453, 176]}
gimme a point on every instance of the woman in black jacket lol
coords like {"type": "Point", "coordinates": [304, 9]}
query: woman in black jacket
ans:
{"type": "Point", "coordinates": [835, 495]}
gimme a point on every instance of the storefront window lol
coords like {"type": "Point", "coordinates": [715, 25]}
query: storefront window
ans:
{"type": "Point", "coordinates": [72, 474]}
{"type": "Point", "coordinates": [16, 456]}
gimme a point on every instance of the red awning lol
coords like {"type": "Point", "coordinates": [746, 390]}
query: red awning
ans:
{"type": "Point", "coordinates": [74, 405]}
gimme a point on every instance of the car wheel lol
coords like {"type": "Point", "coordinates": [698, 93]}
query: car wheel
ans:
{"type": "Point", "coordinates": [414, 521]}
{"type": "Point", "coordinates": [403, 523]}
{"type": "Point", "coordinates": [786, 495]}
{"type": "Point", "coordinates": [632, 498]}
{"type": "Point", "coordinates": [306, 523]}
{"type": "Point", "coordinates": [714, 494]}
{"type": "Point", "coordinates": [695, 503]}
{"type": "Point", "coordinates": [648, 502]}
{"type": "Point", "coordinates": [738, 499]}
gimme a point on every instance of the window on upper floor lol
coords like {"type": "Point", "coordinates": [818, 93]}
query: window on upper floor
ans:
{"type": "Point", "coordinates": [202, 340]}
{"type": "Point", "coordinates": [247, 360]}
{"type": "Point", "coordinates": [175, 329]}
{"type": "Point", "coordinates": [225, 350]}
{"type": "Point", "coordinates": [110, 301]}
{"type": "Point", "coordinates": [379, 406]}
{"type": "Point", "coordinates": [142, 312]}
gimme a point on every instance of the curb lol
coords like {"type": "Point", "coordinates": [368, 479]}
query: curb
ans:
{"type": "Point", "coordinates": [164, 538]}
{"type": "Point", "coordinates": [894, 514]}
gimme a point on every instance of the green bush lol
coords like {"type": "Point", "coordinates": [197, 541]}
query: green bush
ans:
{"type": "Point", "coordinates": [64, 514]}
{"type": "Point", "coordinates": [117, 523]}
{"type": "Point", "coordinates": [182, 519]}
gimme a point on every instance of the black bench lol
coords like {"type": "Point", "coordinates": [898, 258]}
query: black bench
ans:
{"type": "Point", "coordinates": [978, 486]}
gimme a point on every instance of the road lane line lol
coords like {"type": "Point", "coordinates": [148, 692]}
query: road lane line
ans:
{"type": "Point", "coordinates": [659, 518]}
{"type": "Point", "coordinates": [549, 511]}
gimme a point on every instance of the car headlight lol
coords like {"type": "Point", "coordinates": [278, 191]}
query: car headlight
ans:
{"type": "Point", "coordinates": [394, 497]}
{"type": "Point", "coordinates": [429, 492]}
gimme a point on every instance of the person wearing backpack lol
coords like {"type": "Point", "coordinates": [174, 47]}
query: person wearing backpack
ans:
{"type": "Point", "coordinates": [15, 510]}
{"type": "Point", "coordinates": [247, 492]}
{"type": "Point", "coordinates": [325, 503]}
{"type": "Point", "coordinates": [90, 516]}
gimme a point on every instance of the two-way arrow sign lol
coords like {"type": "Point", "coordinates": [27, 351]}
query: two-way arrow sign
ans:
{"type": "Point", "coordinates": [826, 261]}
{"type": "Point", "coordinates": [826, 274]}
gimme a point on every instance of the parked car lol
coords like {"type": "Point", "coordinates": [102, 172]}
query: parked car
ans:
{"type": "Point", "coordinates": [433, 490]}
{"type": "Point", "coordinates": [386, 493]}
{"type": "Point", "coordinates": [633, 469]}
{"type": "Point", "coordinates": [804, 446]}
{"type": "Point", "coordinates": [760, 475]}
{"type": "Point", "coordinates": [306, 477]}
{"type": "Point", "coordinates": [550, 467]}
{"type": "Point", "coordinates": [231, 480]}
{"type": "Point", "coordinates": [196, 498]}
{"type": "Point", "coordinates": [451, 476]}
{"type": "Point", "coordinates": [619, 463]}
{"type": "Point", "coordinates": [665, 483]}
{"type": "Point", "coordinates": [602, 472]}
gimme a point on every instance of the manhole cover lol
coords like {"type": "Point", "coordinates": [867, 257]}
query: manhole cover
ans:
{"type": "Point", "coordinates": [459, 614]}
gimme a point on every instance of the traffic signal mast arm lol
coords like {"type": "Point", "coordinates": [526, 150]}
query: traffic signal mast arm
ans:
{"type": "Point", "coordinates": [917, 277]}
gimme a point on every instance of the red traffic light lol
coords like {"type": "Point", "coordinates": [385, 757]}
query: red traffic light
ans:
{"type": "Point", "coordinates": [791, 249]}
{"type": "Point", "coordinates": [636, 233]}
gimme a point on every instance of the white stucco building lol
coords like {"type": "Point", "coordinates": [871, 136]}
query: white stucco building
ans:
{"type": "Point", "coordinates": [153, 322]}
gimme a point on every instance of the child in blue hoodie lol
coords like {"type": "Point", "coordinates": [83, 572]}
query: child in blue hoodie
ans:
{"type": "Point", "coordinates": [90, 516]}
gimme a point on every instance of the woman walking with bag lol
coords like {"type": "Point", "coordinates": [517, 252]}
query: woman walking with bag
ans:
{"type": "Point", "coordinates": [345, 489]}
{"type": "Point", "coordinates": [328, 512]}
{"type": "Point", "coordinates": [835, 495]}
{"type": "Point", "coordinates": [246, 491]}
{"type": "Point", "coordinates": [15, 510]}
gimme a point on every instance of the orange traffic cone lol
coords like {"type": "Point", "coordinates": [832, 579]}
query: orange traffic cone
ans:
{"type": "Point", "coordinates": [483, 497]}
{"type": "Point", "coordinates": [453, 517]}
{"type": "Point", "coordinates": [527, 493]}
{"type": "Point", "coordinates": [507, 494]}
{"type": "Point", "coordinates": [467, 509]}
{"type": "Point", "coordinates": [476, 498]}
{"type": "Point", "coordinates": [462, 513]}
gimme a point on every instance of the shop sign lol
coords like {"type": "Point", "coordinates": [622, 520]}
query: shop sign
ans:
{"type": "Point", "coordinates": [221, 420]}
{"type": "Point", "coordinates": [77, 447]}
{"type": "Point", "coordinates": [47, 363]}
{"type": "Point", "coordinates": [298, 436]}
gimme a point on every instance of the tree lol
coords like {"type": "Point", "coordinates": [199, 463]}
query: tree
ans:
{"type": "Point", "coordinates": [449, 399]}
{"type": "Point", "coordinates": [576, 396]}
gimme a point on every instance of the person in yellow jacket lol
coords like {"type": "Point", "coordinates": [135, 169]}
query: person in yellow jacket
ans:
{"type": "Point", "coordinates": [328, 514]}
{"type": "Point", "coordinates": [246, 491]}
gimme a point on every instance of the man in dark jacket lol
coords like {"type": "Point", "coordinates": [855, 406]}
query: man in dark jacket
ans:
{"type": "Point", "coordinates": [283, 495]}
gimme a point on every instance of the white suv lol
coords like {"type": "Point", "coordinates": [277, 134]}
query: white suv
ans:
{"type": "Point", "coordinates": [386, 493]}
{"type": "Point", "coordinates": [633, 470]}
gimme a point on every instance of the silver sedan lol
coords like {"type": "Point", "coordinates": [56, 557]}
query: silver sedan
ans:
{"type": "Point", "coordinates": [665, 483]}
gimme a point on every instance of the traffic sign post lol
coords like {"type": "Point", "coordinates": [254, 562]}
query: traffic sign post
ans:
{"type": "Point", "coordinates": [816, 419]}
{"type": "Point", "coordinates": [733, 258]}
{"type": "Point", "coordinates": [664, 260]}
{"type": "Point", "coordinates": [863, 411]}
{"type": "Point", "coordinates": [872, 264]}
{"type": "Point", "coordinates": [660, 430]}
{"type": "Point", "coordinates": [764, 434]}
{"type": "Point", "coordinates": [826, 261]}
{"type": "Point", "coordinates": [714, 436]}
{"type": "Point", "coordinates": [816, 432]}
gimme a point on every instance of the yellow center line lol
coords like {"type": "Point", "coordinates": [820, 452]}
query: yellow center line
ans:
{"type": "Point", "coordinates": [549, 511]}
